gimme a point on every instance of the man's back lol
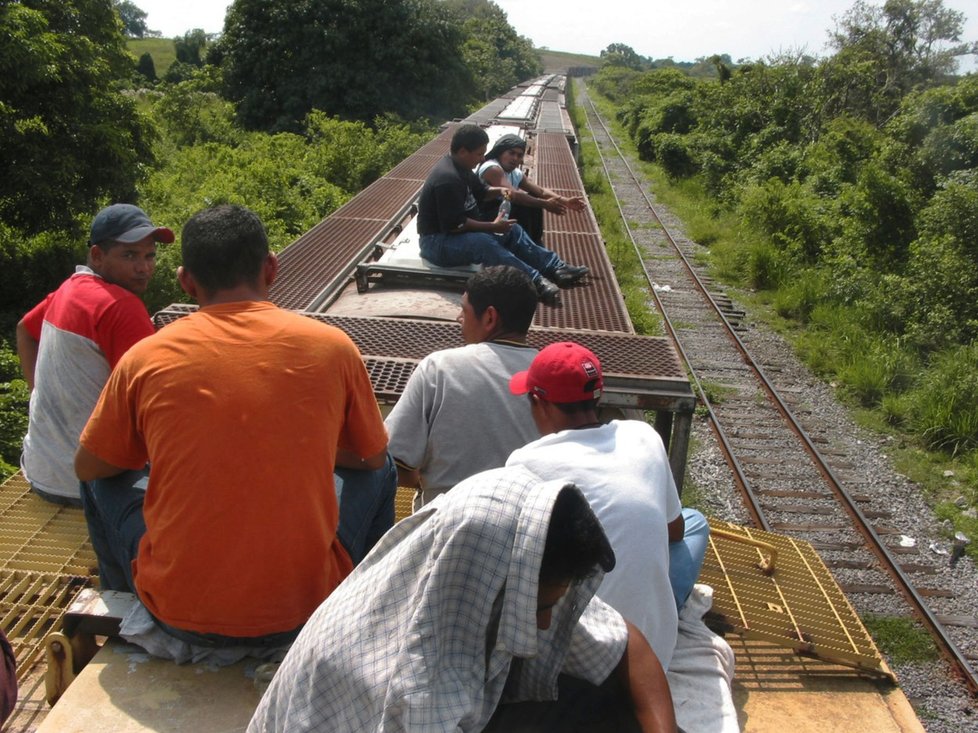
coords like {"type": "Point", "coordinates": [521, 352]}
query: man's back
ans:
{"type": "Point", "coordinates": [457, 416]}
{"type": "Point", "coordinates": [240, 408]}
{"type": "Point", "coordinates": [623, 470]}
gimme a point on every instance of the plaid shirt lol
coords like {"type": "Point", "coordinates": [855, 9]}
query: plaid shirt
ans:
{"type": "Point", "coordinates": [423, 635]}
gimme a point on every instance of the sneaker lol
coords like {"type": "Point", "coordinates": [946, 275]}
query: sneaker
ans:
{"type": "Point", "coordinates": [568, 275]}
{"type": "Point", "coordinates": [548, 292]}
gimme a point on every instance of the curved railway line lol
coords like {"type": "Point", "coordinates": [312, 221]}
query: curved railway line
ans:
{"type": "Point", "coordinates": [788, 474]}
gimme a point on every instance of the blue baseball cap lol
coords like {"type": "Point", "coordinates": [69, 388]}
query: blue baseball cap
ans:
{"type": "Point", "coordinates": [125, 223]}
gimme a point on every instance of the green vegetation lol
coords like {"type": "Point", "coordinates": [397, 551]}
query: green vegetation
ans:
{"type": "Point", "coordinates": [161, 50]}
{"type": "Point", "coordinates": [901, 639]}
{"type": "Point", "coordinates": [841, 196]}
{"type": "Point", "coordinates": [83, 124]}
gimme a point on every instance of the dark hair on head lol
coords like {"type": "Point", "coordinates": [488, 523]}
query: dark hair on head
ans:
{"type": "Point", "coordinates": [469, 137]}
{"type": "Point", "coordinates": [509, 290]}
{"type": "Point", "coordinates": [506, 142]}
{"type": "Point", "coordinates": [576, 544]}
{"type": "Point", "coordinates": [224, 247]}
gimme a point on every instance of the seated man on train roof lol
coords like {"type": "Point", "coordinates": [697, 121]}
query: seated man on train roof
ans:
{"type": "Point", "coordinates": [244, 410]}
{"type": "Point", "coordinates": [456, 416]}
{"type": "Point", "coordinates": [623, 469]}
{"type": "Point", "coordinates": [502, 168]}
{"type": "Point", "coordinates": [451, 232]}
{"type": "Point", "coordinates": [475, 614]}
{"type": "Point", "coordinates": [70, 341]}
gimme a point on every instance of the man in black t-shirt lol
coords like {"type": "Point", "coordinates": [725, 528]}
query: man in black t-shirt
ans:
{"type": "Point", "coordinates": [452, 234]}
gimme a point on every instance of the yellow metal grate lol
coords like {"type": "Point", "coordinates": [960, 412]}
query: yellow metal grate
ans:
{"type": "Point", "coordinates": [798, 606]}
{"type": "Point", "coordinates": [403, 503]}
{"type": "Point", "coordinates": [45, 559]}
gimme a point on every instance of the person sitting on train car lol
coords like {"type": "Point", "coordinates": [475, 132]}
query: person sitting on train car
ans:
{"type": "Point", "coordinates": [452, 233]}
{"type": "Point", "coordinates": [71, 340]}
{"type": "Point", "coordinates": [502, 168]}
{"type": "Point", "coordinates": [243, 410]}
{"type": "Point", "coordinates": [456, 416]}
{"type": "Point", "coordinates": [624, 472]}
{"type": "Point", "coordinates": [475, 614]}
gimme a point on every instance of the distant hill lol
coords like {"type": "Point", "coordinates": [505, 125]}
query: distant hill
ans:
{"type": "Point", "coordinates": [162, 50]}
{"type": "Point", "coordinates": [555, 62]}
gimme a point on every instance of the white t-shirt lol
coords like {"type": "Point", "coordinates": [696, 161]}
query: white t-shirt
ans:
{"type": "Point", "coordinates": [623, 470]}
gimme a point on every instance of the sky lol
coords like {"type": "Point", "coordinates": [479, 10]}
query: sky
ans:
{"type": "Point", "coordinates": [685, 31]}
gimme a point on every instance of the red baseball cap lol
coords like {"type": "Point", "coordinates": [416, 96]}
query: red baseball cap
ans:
{"type": "Point", "coordinates": [561, 372]}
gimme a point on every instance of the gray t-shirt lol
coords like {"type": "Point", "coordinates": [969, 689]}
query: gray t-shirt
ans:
{"type": "Point", "coordinates": [457, 416]}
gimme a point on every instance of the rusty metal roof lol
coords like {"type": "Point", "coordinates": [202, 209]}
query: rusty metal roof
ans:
{"type": "Point", "coordinates": [626, 355]}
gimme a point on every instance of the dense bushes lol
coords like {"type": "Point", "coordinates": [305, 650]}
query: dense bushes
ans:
{"type": "Point", "coordinates": [859, 203]}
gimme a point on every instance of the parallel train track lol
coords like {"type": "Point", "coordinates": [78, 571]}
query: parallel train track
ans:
{"type": "Point", "coordinates": [787, 475]}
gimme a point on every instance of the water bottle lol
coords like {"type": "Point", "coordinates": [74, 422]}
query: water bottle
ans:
{"type": "Point", "coordinates": [505, 207]}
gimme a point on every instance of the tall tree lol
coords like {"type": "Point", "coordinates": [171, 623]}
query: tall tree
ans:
{"type": "Point", "coordinates": [133, 18]}
{"type": "Point", "coordinates": [618, 54]}
{"type": "Point", "coordinates": [190, 47]}
{"type": "Point", "coordinates": [352, 58]}
{"type": "Point", "coordinates": [68, 138]}
{"type": "Point", "coordinates": [884, 52]}
{"type": "Point", "coordinates": [495, 54]}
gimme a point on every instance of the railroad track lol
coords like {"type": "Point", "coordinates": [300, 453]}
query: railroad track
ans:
{"type": "Point", "coordinates": [793, 477]}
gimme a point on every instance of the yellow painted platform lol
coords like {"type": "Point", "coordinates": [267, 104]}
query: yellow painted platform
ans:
{"type": "Point", "coordinates": [778, 692]}
{"type": "Point", "coordinates": [123, 690]}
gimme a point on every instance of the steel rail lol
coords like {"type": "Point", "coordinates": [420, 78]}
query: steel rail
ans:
{"type": "Point", "coordinates": [903, 584]}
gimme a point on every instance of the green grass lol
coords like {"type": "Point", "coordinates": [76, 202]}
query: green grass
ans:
{"type": "Point", "coordinates": [902, 640]}
{"type": "Point", "coordinates": [559, 61]}
{"type": "Point", "coordinates": [628, 267]}
{"type": "Point", "coordinates": [162, 50]}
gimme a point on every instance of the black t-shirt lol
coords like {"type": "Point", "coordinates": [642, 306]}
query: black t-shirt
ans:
{"type": "Point", "coordinates": [449, 196]}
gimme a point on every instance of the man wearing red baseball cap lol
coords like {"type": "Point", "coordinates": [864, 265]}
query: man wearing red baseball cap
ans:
{"type": "Point", "coordinates": [623, 469]}
{"type": "Point", "coordinates": [71, 340]}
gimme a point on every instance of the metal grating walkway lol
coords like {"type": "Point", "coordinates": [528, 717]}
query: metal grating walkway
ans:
{"type": "Point", "coordinates": [799, 606]}
{"type": "Point", "coordinates": [45, 560]}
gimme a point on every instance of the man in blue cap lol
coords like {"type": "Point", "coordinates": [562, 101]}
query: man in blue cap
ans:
{"type": "Point", "coordinates": [72, 339]}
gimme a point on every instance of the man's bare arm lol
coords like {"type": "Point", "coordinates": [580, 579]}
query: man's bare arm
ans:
{"type": "Point", "coordinates": [89, 466]}
{"type": "Point", "coordinates": [643, 676]}
{"type": "Point", "coordinates": [553, 201]}
{"type": "Point", "coordinates": [27, 348]}
{"type": "Point", "coordinates": [677, 528]}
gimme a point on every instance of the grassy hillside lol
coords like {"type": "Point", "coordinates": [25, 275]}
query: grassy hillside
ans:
{"type": "Point", "coordinates": [162, 50]}
{"type": "Point", "coordinates": [559, 61]}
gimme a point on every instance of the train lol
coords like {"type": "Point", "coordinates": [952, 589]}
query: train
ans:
{"type": "Point", "coordinates": [360, 269]}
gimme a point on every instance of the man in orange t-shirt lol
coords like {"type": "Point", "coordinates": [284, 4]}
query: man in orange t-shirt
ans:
{"type": "Point", "coordinates": [244, 410]}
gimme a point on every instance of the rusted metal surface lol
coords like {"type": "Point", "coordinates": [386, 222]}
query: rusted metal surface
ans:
{"type": "Point", "coordinates": [319, 257]}
{"type": "Point", "coordinates": [597, 302]}
{"type": "Point", "coordinates": [645, 359]}
{"type": "Point", "coordinates": [416, 167]}
{"type": "Point", "coordinates": [381, 200]}
{"type": "Point", "coordinates": [570, 221]}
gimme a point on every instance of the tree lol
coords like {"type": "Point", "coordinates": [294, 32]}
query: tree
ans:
{"type": "Point", "coordinates": [68, 139]}
{"type": "Point", "coordinates": [884, 52]}
{"type": "Point", "coordinates": [190, 47]}
{"type": "Point", "coordinates": [618, 54]}
{"type": "Point", "coordinates": [146, 67]}
{"type": "Point", "coordinates": [133, 19]}
{"type": "Point", "coordinates": [496, 56]}
{"type": "Point", "coordinates": [283, 60]}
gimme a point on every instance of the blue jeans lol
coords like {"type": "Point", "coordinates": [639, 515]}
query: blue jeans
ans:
{"type": "Point", "coordinates": [514, 248]}
{"type": "Point", "coordinates": [686, 555]}
{"type": "Point", "coordinates": [114, 513]}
